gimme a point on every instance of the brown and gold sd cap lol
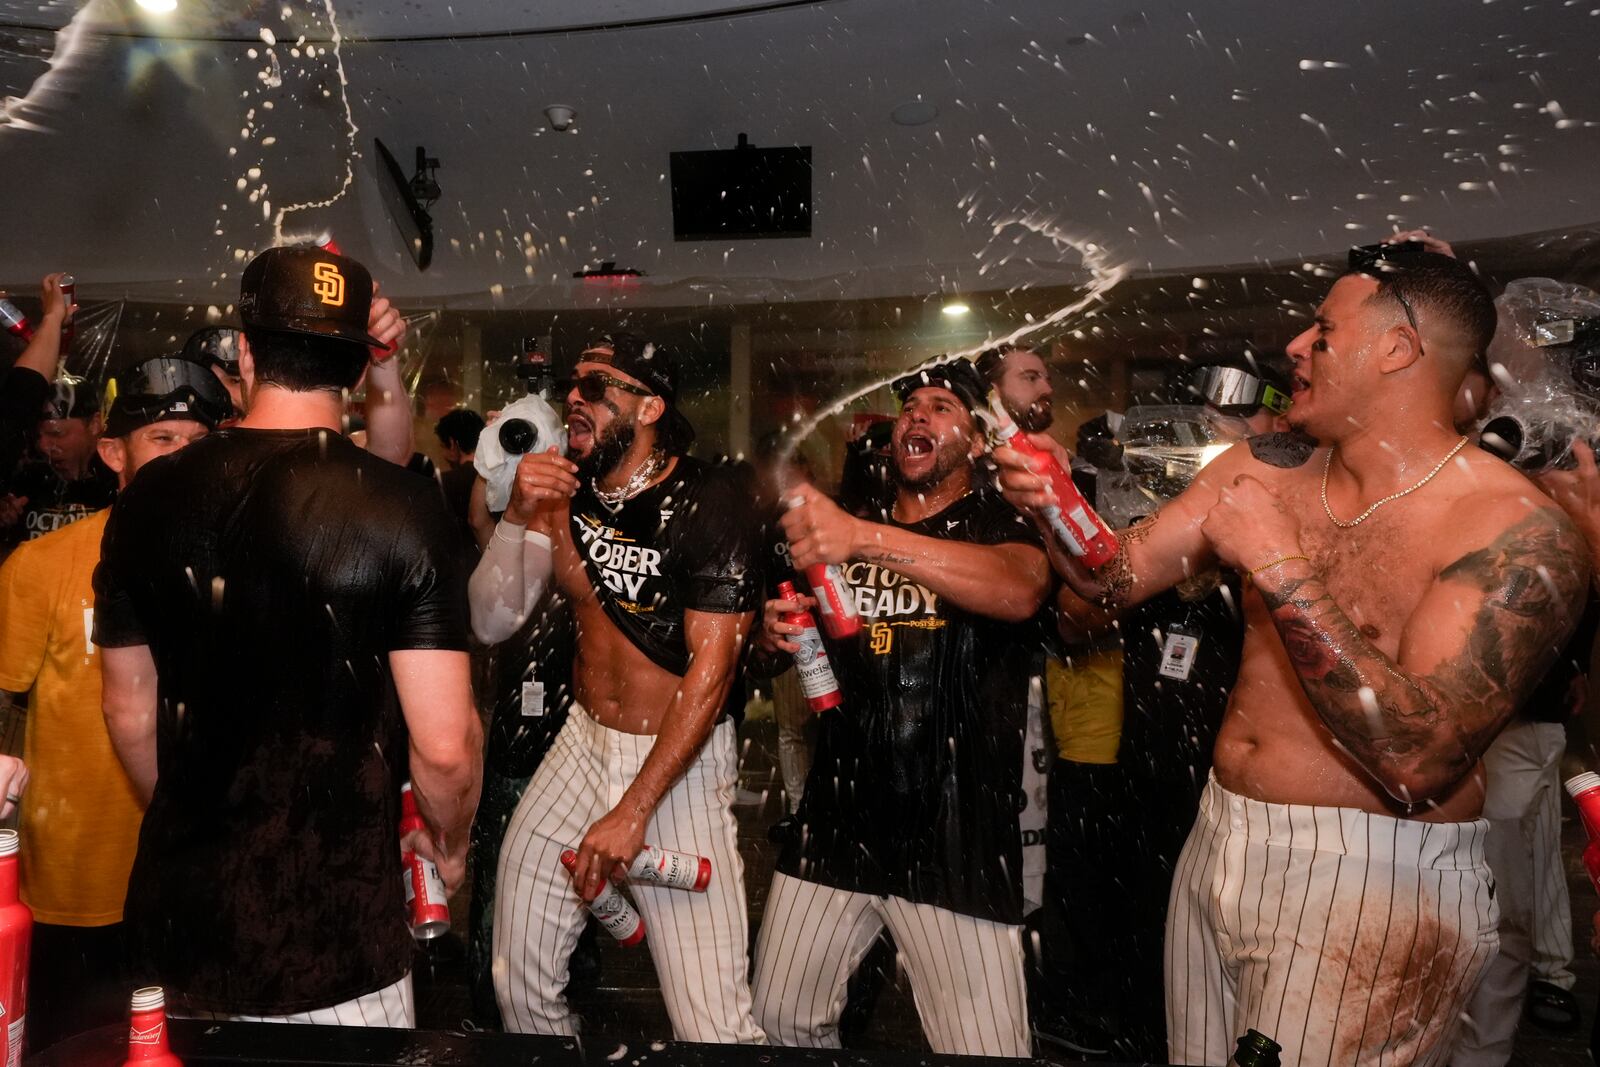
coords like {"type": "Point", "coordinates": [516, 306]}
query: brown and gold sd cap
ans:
{"type": "Point", "coordinates": [307, 291]}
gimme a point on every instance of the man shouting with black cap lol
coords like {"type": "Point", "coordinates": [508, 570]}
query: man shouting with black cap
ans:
{"type": "Point", "coordinates": [909, 818]}
{"type": "Point", "coordinates": [279, 613]}
{"type": "Point", "coordinates": [656, 553]}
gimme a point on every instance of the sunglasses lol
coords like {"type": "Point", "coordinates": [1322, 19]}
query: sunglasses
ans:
{"type": "Point", "coordinates": [1235, 391]}
{"type": "Point", "coordinates": [1387, 264]}
{"type": "Point", "coordinates": [592, 387]}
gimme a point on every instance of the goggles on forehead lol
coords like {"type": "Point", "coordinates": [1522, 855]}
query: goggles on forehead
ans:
{"type": "Point", "coordinates": [1235, 391]}
{"type": "Point", "coordinates": [164, 388]}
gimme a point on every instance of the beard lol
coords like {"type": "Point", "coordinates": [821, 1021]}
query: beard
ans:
{"type": "Point", "coordinates": [952, 455]}
{"type": "Point", "coordinates": [1036, 417]}
{"type": "Point", "coordinates": [609, 448]}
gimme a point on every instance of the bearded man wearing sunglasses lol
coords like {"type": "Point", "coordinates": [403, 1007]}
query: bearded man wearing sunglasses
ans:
{"type": "Point", "coordinates": [658, 557]}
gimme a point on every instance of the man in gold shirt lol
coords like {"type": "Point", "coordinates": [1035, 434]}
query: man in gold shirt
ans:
{"type": "Point", "coordinates": [80, 815]}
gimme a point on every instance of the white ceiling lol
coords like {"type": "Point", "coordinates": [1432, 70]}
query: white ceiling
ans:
{"type": "Point", "coordinates": [1175, 136]}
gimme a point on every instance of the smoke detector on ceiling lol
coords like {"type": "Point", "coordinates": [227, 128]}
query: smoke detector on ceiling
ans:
{"type": "Point", "coordinates": [561, 117]}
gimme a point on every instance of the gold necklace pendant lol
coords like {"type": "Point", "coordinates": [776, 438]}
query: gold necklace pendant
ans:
{"type": "Point", "coordinates": [1361, 518]}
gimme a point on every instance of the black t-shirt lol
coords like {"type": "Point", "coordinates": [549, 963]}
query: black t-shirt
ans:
{"type": "Point", "coordinates": [686, 544]}
{"type": "Point", "coordinates": [917, 779]}
{"type": "Point", "coordinates": [54, 502]}
{"type": "Point", "coordinates": [271, 572]}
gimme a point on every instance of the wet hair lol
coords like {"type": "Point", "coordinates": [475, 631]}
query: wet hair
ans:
{"type": "Point", "coordinates": [460, 428]}
{"type": "Point", "coordinates": [1445, 287]}
{"type": "Point", "coordinates": [991, 362]}
{"type": "Point", "coordinates": [302, 363]}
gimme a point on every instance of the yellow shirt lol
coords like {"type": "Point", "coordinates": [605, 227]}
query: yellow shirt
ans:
{"type": "Point", "coordinates": [1086, 705]}
{"type": "Point", "coordinates": [80, 818]}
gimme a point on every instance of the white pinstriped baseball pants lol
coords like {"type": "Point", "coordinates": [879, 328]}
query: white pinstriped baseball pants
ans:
{"type": "Point", "coordinates": [966, 973]}
{"type": "Point", "coordinates": [698, 941]}
{"type": "Point", "coordinates": [391, 1006]}
{"type": "Point", "coordinates": [1348, 938]}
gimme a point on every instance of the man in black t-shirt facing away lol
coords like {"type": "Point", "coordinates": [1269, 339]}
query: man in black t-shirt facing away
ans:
{"type": "Point", "coordinates": [909, 820]}
{"type": "Point", "coordinates": [656, 553]}
{"type": "Point", "coordinates": [283, 630]}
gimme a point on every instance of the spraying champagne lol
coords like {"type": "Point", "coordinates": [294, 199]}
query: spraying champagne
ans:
{"type": "Point", "coordinates": [1071, 519]}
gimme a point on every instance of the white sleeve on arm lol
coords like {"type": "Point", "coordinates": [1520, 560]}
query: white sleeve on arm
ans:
{"type": "Point", "coordinates": [509, 581]}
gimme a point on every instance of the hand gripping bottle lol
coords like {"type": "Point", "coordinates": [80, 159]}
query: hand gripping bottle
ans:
{"type": "Point", "coordinates": [16, 931]}
{"type": "Point", "coordinates": [1079, 529]}
{"type": "Point", "coordinates": [610, 907]}
{"type": "Point", "coordinates": [1585, 790]}
{"type": "Point", "coordinates": [817, 682]}
{"type": "Point", "coordinates": [836, 603]}
{"type": "Point", "coordinates": [425, 894]}
{"type": "Point", "coordinates": [15, 322]}
{"type": "Point", "coordinates": [147, 1032]}
{"type": "Point", "coordinates": [675, 870]}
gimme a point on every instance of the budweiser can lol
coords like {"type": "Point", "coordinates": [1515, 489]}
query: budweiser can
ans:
{"type": "Point", "coordinates": [817, 681]}
{"type": "Point", "coordinates": [16, 932]}
{"type": "Point", "coordinates": [610, 907]}
{"type": "Point", "coordinates": [147, 1030]}
{"type": "Point", "coordinates": [675, 870]}
{"type": "Point", "coordinates": [425, 893]}
{"type": "Point", "coordinates": [15, 322]}
{"type": "Point", "coordinates": [69, 291]}
{"type": "Point", "coordinates": [836, 602]}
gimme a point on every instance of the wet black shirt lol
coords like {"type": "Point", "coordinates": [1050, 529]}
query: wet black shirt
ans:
{"type": "Point", "coordinates": [686, 544]}
{"type": "Point", "coordinates": [917, 780]}
{"type": "Point", "coordinates": [55, 503]}
{"type": "Point", "coordinates": [271, 572]}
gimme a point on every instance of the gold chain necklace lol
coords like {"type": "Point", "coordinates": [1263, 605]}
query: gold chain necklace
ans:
{"type": "Point", "coordinates": [654, 462]}
{"type": "Point", "coordinates": [1361, 518]}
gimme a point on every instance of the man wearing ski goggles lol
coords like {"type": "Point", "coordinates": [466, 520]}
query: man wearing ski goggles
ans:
{"type": "Point", "coordinates": [1237, 391]}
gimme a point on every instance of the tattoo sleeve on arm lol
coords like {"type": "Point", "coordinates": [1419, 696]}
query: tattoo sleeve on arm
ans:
{"type": "Point", "coordinates": [1418, 735]}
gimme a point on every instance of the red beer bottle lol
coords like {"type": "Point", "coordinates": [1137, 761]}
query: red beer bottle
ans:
{"type": "Point", "coordinates": [14, 321]}
{"type": "Point", "coordinates": [69, 292]}
{"type": "Point", "coordinates": [425, 894]}
{"type": "Point", "coordinates": [1585, 791]}
{"type": "Point", "coordinates": [16, 931]}
{"type": "Point", "coordinates": [817, 681]}
{"type": "Point", "coordinates": [609, 906]}
{"type": "Point", "coordinates": [1071, 519]}
{"type": "Point", "coordinates": [836, 602]}
{"type": "Point", "coordinates": [675, 870]}
{"type": "Point", "coordinates": [147, 1030]}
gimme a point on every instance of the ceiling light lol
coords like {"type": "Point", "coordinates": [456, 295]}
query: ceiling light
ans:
{"type": "Point", "coordinates": [954, 310]}
{"type": "Point", "coordinates": [916, 112]}
{"type": "Point", "coordinates": [159, 7]}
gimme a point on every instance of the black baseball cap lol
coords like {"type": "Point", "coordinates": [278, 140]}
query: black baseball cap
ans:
{"type": "Point", "coordinates": [655, 369]}
{"type": "Point", "coordinates": [957, 375]}
{"type": "Point", "coordinates": [167, 387]}
{"type": "Point", "coordinates": [213, 346]}
{"type": "Point", "coordinates": [307, 291]}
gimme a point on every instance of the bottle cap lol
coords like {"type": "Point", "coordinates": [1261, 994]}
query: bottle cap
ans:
{"type": "Point", "coordinates": [1582, 783]}
{"type": "Point", "coordinates": [149, 998]}
{"type": "Point", "coordinates": [9, 842]}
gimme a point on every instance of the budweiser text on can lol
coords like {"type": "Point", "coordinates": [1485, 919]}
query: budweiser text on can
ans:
{"type": "Point", "coordinates": [675, 870]}
{"type": "Point", "coordinates": [817, 681]}
{"type": "Point", "coordinates": [610, 907]}
{"type": "Point", "coordinates": [147, 1031]}
{"type": "Point", "coordinates": [425, 893]}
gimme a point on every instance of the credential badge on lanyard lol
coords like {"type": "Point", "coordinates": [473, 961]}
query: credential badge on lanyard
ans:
{"type": "Point", "coordinates": [1179, 652]}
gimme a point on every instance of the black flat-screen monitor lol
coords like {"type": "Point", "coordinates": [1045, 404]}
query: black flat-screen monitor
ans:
{"type": "Point", "coordinates": [741, 192]}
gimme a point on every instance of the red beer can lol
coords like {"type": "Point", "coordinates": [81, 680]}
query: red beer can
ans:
{"type": "Point", "coordinates": [16, 933]}
{"type": "Point", "coordinates": [425, 892]}
{"type": "Point", "coordinates": [147, 1030]}
{"type": "Point", "coordinates": [610, 907]}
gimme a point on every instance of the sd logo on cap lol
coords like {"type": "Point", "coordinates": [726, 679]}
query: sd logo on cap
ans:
{"type": "Point", "coordinates": [307, 291]}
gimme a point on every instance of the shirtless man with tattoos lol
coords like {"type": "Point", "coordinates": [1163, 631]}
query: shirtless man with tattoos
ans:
{"type": "Point", "coordinates": [1404, 592]}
